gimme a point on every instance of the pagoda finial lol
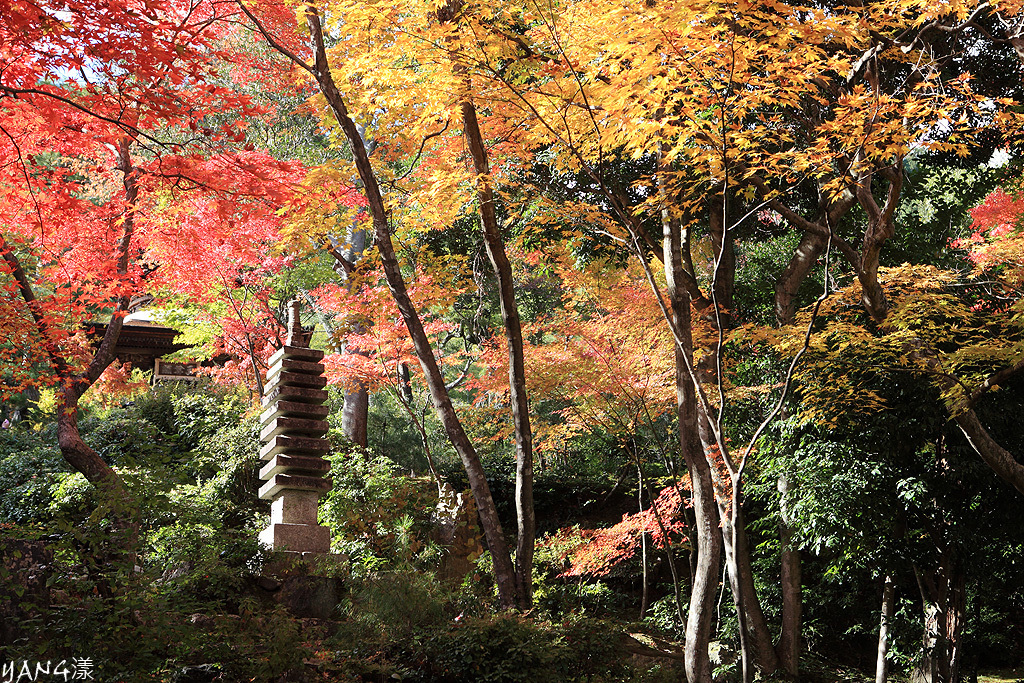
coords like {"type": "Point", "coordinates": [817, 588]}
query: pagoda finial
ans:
{"type": "Point", "coordinates": [295, 334]}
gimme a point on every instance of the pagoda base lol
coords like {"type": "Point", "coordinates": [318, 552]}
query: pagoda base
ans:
{"type": "Point", "coordinates": [300, 538]}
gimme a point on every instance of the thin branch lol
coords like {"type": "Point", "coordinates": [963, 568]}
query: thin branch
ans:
{"type": "Point", "coordinates": [126, 127]}
{"type": "Point", "coordinates": [105, 354]}
{"type": "Point", "coordinates": [34, 306]}
{"type": "Point", "coordinates": [298, 61]}
{"type": "Point", "coordinates": [994, 380]}
{"type": "Point", "coordinates": [28, 181]}
{"type": "Point", "coordinates": [412, 166]}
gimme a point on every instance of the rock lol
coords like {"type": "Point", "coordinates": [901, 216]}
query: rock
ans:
{"type": "Point", "coordinates": [459, 533]}
{"type": "Point", "coordinates": [316, 597]}
{"type": "Point", "coordinates": [200, 673]}
{"type": "Point", "coordinates": [268, 583]}
{"type": "Point", "coordinates": [202, 620]}
{"type": "Point", "coordinates": [176, 572]}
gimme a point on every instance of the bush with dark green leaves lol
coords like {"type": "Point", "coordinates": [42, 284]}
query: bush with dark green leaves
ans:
{"type": "Point", "coordinates": [508, 648]}
{"type": "Point", "coordinates": [380, 517]}
{"type": "Point", "coordinates": [28, 467]}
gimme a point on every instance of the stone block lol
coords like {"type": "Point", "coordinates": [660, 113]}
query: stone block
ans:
{"type": "Point", "coordinates": [294, 445]}
{"type": "Point", "coordinates": [294, 366]}
{"type": "Point", "coordinates": [293, 394]}
{"type": "Point", "coordinates": [297, 353]}
{"type": "Point", "coordinates": [308, 465]}
{"type": "Point", "coordinates": [295, 507]}
{"type": "Point", "coordinates": [298, 482]}
{"type": "Point", "coordinates": [302, 538]}
{"type": "Point", "coordinates": [293, 426]}
{"type": "Point", "coordinates": [298, 379]}
{"type": "Point", "coordinates": [307, 411]}
{"type": "Point", "coordinates": [310, 597]}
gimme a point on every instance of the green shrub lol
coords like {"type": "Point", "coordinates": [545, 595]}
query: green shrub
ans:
{"type": "Point", "coordinates": [380, 518]}
{"type": "Point", "coordinates": [201, 563]}
{"type": "Point", "coordinates": [664, 616]}
{"type": "Point", "coordinates": [508, 648]}
{"type": "Point", "coordinates": [138, 637]}
{"type": "Point", "coordinates": [397, 604]}
{"type": "Point", "coordinates": [125, 440]}
{"type": "Point", "coordinates": [230, 460]}
{"type": "Point", "coordinates": [28, 467]}
{"type": "Point", "coordinates": [200, 416]}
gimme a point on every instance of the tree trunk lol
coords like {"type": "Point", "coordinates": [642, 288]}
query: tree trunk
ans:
{"type": "Point", "coordinates": [788, 648]}
{"type": "Point", "coordinates": [356, 408]}
{"type": "Point", "coordinates": [880, 229]}
{"type": "Point", "coordinates": [709, 540]}
{"type": "Point", "coordinates": [1000, 460]}
{"type": "Point", "coordinates": [493, 533]}
{"type": "Point", "coordinates": [755, 639]}
{"type": "Point", "coordinates": [354, 414]}
{"type": "Point", "coordinates": [799, 267]}
{"type": "Point", "coordinates": [669, 557]}
{"type": "Point", "coordinates": [741, 582]}
{"type": "Point", "coordinates": [76, 452]}
{"type": "Point", "coordinates": [888, 608]}
{"type": "Point", "coordinates": [995, 456]}
{"type": "Point", "coordinates": [944, 597]}
{"type": "Point", "coordinates": [495, 246]}
{"type": "Point", "coordinates": [1018, 47]}
{"type": "Point", "coordinates": [645, 596]}
{"type": "Point", "coordinates": [706, 522]}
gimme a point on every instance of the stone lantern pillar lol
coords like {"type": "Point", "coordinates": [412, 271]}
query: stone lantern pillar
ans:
{"type": "Point", "coordinates": [293, 435]}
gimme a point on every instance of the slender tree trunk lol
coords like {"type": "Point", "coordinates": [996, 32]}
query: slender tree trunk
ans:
{"type": "Point", "coordinates": [495, 246]}
{"type": "Point", "coordinates": [355, 410]}
{"type": "Point", "coordinates": [669, 557]}
{"type": "Point", "coordinates": [888, 609]}
{"type": "Point", "coordinates": [705, 512]}
{"type": "Point", "coordinates": [788, 647]}
{"type": "Point", "coordinates": [755, 640]}
{"type": "Point", "coordinates": [643, 543]}
{"type": "Point", "coordinates": [504, 572]}
{"type": "Point", "coordinates": [741, 581]}
{"type": "Point", "coordinates": [880, 229]}
{"type": "Point", "coordinates": [706, 524]}
{"type": "Point", "coordinates": [725, 255]}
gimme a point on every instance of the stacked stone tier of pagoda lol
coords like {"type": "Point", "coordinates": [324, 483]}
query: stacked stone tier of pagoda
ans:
{"type": "Point", "coordinates": [293, 435]}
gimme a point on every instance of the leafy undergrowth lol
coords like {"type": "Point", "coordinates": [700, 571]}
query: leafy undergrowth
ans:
{"type": "Point", "coordinates": [816, 670]}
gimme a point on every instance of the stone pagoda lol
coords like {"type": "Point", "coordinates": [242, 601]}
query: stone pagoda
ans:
{"type": "Point", "coordinates": [293, 434]}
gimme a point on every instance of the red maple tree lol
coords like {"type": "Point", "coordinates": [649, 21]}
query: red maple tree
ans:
{"type": "Point", "coordinates": [121, 176]}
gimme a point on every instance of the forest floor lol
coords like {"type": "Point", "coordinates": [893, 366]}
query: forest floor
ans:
{"type": "Point", "coordinates": [820, 673]}
{"type": "Point", "coordinates": [1001, 676]}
